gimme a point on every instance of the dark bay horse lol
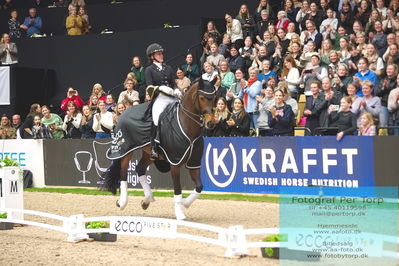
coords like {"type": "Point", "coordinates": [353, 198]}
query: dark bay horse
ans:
{"type": "Point", "coordinates": [192, 113]}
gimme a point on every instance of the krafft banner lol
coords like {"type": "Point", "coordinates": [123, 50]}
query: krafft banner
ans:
{"type": "Point", "coordinates": [264, 165]}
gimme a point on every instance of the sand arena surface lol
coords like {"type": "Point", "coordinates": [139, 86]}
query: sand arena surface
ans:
{"type": "Point", "coordinates": [30, 245]}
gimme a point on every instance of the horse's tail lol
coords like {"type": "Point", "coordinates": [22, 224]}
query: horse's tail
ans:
{"type": "Point", "coordinates": [111, 176]}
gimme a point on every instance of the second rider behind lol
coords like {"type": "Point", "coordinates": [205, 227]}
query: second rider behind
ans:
{"type": "Point", "coordinates": [160, 75]}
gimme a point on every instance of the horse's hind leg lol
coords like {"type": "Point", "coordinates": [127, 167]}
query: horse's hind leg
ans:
{"type": "Point", "coordinates": [144, 162]}
{"type": "Point", "coordinates": [123, 197]}
{"type": "Point", "coordinates": [178, 198]}
{"type": "Point", "coordinates": [195, 176]}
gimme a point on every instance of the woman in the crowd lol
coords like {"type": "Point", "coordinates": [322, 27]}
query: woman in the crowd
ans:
{"type": "Point", "coordinates": [341, 79]}
{"type": "Point", "coordinates": [86, 127]}
{"type": "Point", "coordinates": [8, 51]}
{"type": "Point", "coordinates": [291, 10]}
{"type": "Point", "coordinates": [26, 128]}
{"type": "Point", "coordinates": [309, 50]}
{"type": "Point", "coordinates": [312, 116]}
{"type": "Point", "coordinates": [260, 57]}
{"type": "Point", "coordinates": [249, 94]}
{"type": "Point", "coordinates": [72, 121]}
{"type": "Point", "coordinates": [384, 87]}
{"type": "Point", "coordinates": [236, 87]}
{"type": "Point", "coordinates": [290, 75]}
{"type": "Point", "coordinates": [269, 43]}
{"type": "Point", "coordinates": [214, 57]}
{"type": "Point", "coordinates": [209, 72]}
{"type": "Point", "coordinates": [361, 43]}
{"type": "Point", "coordinates": [367, 127]}
{"type": "Point", "coordinates": [325, 50]}
{"type": "Point", "coordinates": [283, 41]}
{"type": "Point", "coordinates": [85, 20]}
{"type": "Point", "coordinates": [351, 90]}
{"type": "Point", "coordinates": [211, 32]}
{"type": "Point", "coordinates": [334, 59]}
{"type": "Point", "coordinates": [364, 74]}
{"type": "Point", "coordinates": [14, 25]}
{"type": "Point", "coordinates": [120, 108]}
{"type": "Point", "coordinates": [281, 118]}
{"type": "Point", "coordinates": [283, 21]}
{"type": "Point", "coordinates": [72, 95]}
{"type": "Point", "coordinates": [288, 99]}
{"type": "Point", "coordinates": [344, 119]}
{"type": "Point", "coordinates": [99, 92]}
{"type": "Point", "coordinates": [295, 52]}
{"type": "Point", "coordinates": [53, 122]}
{"type": "Point", "coordinates": [263, 108]}
{"type": "Point", "coordinates": [110, 103]}
{"type": "Point", "coordinates": [39, 130]}
{"type": "Point", "coordinates": [247, 21]}
{"type": "Point", "coordinates": [103, 122]}
{"type": "Point", "coordinates": [227, 78]}
{"type": "Point", "coordinates": [234, 30]}
{"type": "Point", "coordinates": [367, 103]}
{"type": "Point", "coordinates": [129, 94]}
{"type": "Point", "coordinates": [239, 122]}
{"type": "Point", "coordinates": [300, 17]}
{"type": "Point", "coordinates": [248, 52]}
{"type": "Point", "coordinates": [93, 103]}
{"type": "Point", "coordinates": [330, 23]}
{"type": "Point", "coordinates": [344, 49]}
{"type": "Point", "coordinates": [290, 30]}
{"type": "Point", "coordinates": [221, 114]}
{"type": "Point", "coordinates": [369, 28]}
{"type": "Point", "coordinates": [363, 11]}
{"type": "Point", "coordinates": [314, 15]}
{"type": "Point", "coordinates": [375, 61]}
{"type": "Point", "coordinates": [390, 24]}
{"type": "Point", "coordinates": [74, 23]}
{"type": "Point", "coordinates": [182, 82]}
{"type": "Point", "coordinates": [266, 73]}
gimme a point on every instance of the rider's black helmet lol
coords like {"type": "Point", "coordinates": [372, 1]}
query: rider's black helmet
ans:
{"type": "Point", "coordinates": [153, 48]}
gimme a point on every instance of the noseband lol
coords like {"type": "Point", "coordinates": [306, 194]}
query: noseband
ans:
{"type": "Point", "coordinates": [200, 117]}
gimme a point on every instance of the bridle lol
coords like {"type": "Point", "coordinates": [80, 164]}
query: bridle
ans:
{"type": "Point", "coordinates": [195, 117]}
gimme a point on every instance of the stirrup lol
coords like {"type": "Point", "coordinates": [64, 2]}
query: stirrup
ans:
{"type": "Point", "coordinates": [154, 155]}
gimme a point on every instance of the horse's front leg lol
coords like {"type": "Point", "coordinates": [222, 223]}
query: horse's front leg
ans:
{"type": "Point", "coordinates": [123, 197]}
{"type": "Point", "coordinates": [144, 162]}
{"type": "Point", "coordinates": [178, 198]}
{"type": "Point", "coordinates": [195, 176]}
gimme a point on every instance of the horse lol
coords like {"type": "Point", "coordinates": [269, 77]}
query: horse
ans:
{"type": "Point", "coordinates": [194, 112]}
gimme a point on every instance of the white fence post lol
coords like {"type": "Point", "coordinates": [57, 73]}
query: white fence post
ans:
{"type": "Point", "coordinates": [236, 242]}
{"type": "Point", "coordinates": [12, 190]}
{"type": "Point", "coordinates": [75, 227]}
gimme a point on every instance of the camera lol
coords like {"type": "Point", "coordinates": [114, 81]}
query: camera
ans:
{"type": "Point", "coordinates": [335, 107]}
{"type": "Point", "coordinates": [307, 71]}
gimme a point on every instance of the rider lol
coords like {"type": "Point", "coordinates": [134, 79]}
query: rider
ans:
{"type": "Point", "coordinates": [161, 76]}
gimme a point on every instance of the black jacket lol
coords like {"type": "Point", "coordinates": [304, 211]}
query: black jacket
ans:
{"type": "Point", "coordinates": [241, 127]}
{"type": "Point", "coordinates": [157, 77]}
{"type": "Point", "coordinates": [282, 124]}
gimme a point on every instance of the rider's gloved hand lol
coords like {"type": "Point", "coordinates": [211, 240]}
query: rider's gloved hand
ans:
{"type": "Point", "coordinates": [177, 93]}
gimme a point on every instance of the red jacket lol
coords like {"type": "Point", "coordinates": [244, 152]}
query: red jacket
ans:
{"type": "Point", "coordinates": [76, 99]}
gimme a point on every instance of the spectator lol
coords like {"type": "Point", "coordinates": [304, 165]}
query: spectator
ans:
{"type": "Point", "coordinates": [262, 25]}
{"type": "Point", "coordinates": [211, 32]}
{"type": "Point", "coordinates": [224, 47]}
{"type": "Point", "coordinates": [26, 128]}
{"type": "Point", "coordinates": [369, 28]}
{"type": "Point", "coordinates": [351, 90]}
{"type": "Point", "coordinates": [72, 121]}
{"type": "Point", "coordinates": [344, 119]}
{"type": "Point", "coordinates": [222, 115]}
{"type": "Point", "coordinates": [8, 5]}
{"type": "Point", "coordinates": [315, 72]}
{"type": "Point", "coordinates": [72, 95]}
{"type": "Point", "coordinates": [235, 89]}
{"type": "Point", "coordinates": [366, 127]}
{"type": "Point", "coordinates": [191, 70]}
{"type": "Point", "coordinates": [182, 82]}
{"type": "Point", "coordinates": [249, 93]}
{"type": "Point", "coordinates": [62, 3]}
{"type": "Point", "coordinates": [37, 4]}
{"type": "Point", "coordinates": [363, 11]}
{"type": "Point", "coordinates": [364, 74]}
{"type": "Point", "coordinates": [324, 52]}
{"type": "Point", "coordinates": [74, 23]}
{"type": "Point", "coordinates": [341, 79]}
{"type": "Point", "coordinates": [85, 20]}
{"type": "Point", "coordinates": [294, 50]}
{"type": "Point", "coordinates": [264, 7]}
{"type": "Point", "coordinates": [281, 118]}
{"type": "Point", "coordinates": [312, 117]}
{"type": "Point", "coordinates": [382, 9]}
{"type": "Point", "coordinates": [16, 121]}
{"type": "Point", "coordinates": [99, 92]}
{"type": "Point", "coordinates": [290, 30]}
{"type": "Point", "coordinates": [120, 108]}
{"type": "Point", "coordinates": [379, 39]}
{"type": "Point", "coordinates": [330, 24]}
{"type": "Point", "coordinates": [6, 130]}
{"type": "Point", "coordinates": [52, 122]}
{"type": "Point", "coordinates": [214, 57]}
{"type": "Point", "coordinates": [138, 70]}
{"type": "Point", "coordinates": [353, 59]}
{"type": "Point", "coordinates": [314, 15]}
{"type": "Point", "coordinates": [290, 75]}
{"type": "Point", "coordinates": [103, 122]}
{"type": "Point", "coordinates": [86, 127]}
{"type": "Point", "coordinates": [266, 73]}
{"type": "Point", "coordinates": [248, 52]}
{"type": "Point", "coordinates": [110, 103]}
{"type": "Point", "coordinates": [283, 41]}
{"type": "Point", "coordinates": [247, 22]}
{"type": "Point", "coordinates": [308, 51]}
{"type": "Point", "coordinates": [260, 57]}
{"type": "Point", "coordinates": [335, 36]}
{"type": "Point", "coordinates": [302, 14]}
{"type": "Point", "coordinates": [269, 43]}
{"type": "Point", "coordinates": [39, 130]}
{"type": "Point", "coordinates": [210, 72]}
{"type": "Point", "coordinates": [390, 24]}
{"type": "Point", "coordinates": [384, 87]}
{"type": "Point", "coordinates": [32, 24]}
{"type": "Point", "coordinates": [357, 28]}
{"type": "Point", "coordinates": [283, 21]}
{"type": "Point", "coordinates": [240, 121]}
{"type": "Point", "coordinates": [291, 10]}
{"type": "Point", "coordinates": [234, 30]}
{"type": "Point", "coordinates": [311, 34]}
{"type": "Point", "coordinates": [262, 107]}
{"type": "Point", "coordinates": [78, 3]}
{"type": "Point", "coordinates": [288, 99]}
{"type": "Point", "coordinates": [227, 77]}
{"type": "Point", "coordinates": [367, 103]}
{"type": "Point", "coordinates": [346, 16]}
{"type": "Point", "coordinates": [129, 94]}
{"type": "Point", "coordinates": [393, 107]}
{"type": "Point", "coordinates": [14, 26]}
{"type": "Point", "coordinates": [93, 103]}
{"type": "Point", "coordinates": [8, 51]}
{"type": "Point", "coordinates": [390, 42]}
{"type": "Point", "coordinates": [328, 97]}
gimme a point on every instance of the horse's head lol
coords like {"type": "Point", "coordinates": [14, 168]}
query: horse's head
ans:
{"type": "Point", "coordinates": [206, 101]}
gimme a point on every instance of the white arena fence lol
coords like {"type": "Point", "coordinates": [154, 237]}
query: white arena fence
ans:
{"type": "Point", "coordinates": [233, 238]}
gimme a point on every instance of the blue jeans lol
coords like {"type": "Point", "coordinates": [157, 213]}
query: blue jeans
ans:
{"type": "Point", "coordinates": [103, 135]}
{"type": "Point", "coordinates": [253, 120]}
{"type": "Point", "coordinates": [384, 116]}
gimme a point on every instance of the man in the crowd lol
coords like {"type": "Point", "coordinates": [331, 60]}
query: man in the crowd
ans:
{"type": "Point", "coordinates": [33, 23]}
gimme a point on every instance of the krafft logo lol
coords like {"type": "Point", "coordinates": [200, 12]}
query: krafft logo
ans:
{"type": "Point", "coordinates": [217, 159]}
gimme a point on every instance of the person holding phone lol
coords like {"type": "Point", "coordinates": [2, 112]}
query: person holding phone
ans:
{"type": "Point", "coordinates": [72, 95]}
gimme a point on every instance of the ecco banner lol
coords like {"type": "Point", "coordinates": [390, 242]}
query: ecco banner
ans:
{"type": "Point", "coordinates": [264, 165]}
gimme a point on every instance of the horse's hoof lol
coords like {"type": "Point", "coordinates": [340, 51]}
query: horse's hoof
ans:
{"type": "Point", "coordinates": [121, 206]}
{"type": "Point", "coordinates": [145, 205]}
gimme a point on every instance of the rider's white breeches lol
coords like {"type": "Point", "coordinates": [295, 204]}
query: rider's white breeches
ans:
{"type": "Point", "coordinates": [159, 105]}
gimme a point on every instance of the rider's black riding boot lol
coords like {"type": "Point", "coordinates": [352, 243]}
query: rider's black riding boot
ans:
{"type": "Point", "coordinates": [154, 145]}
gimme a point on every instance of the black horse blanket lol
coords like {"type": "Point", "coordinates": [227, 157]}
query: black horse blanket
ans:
{"type": "Point", "coordinates": [132, 132]}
